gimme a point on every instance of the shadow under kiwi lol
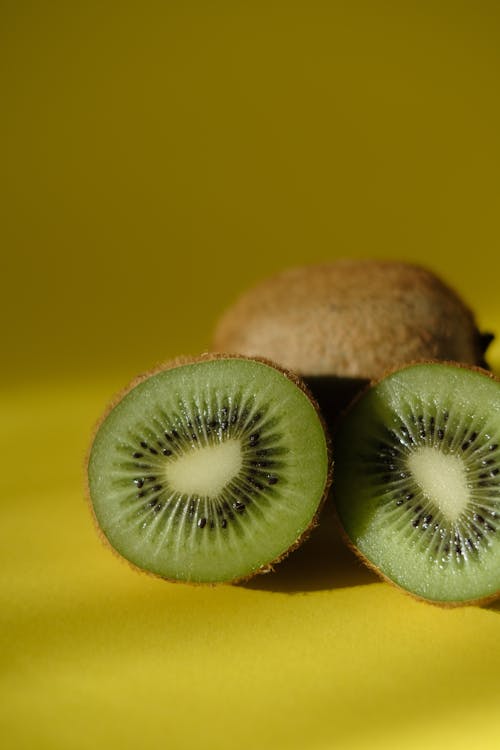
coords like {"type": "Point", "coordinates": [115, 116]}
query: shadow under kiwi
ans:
{"type": "Point", "coordinates": [334, 394]}
{"type": "Point", "coordinates": [322, 562]}
{"type": "Point", "coordinates": [493, 606]}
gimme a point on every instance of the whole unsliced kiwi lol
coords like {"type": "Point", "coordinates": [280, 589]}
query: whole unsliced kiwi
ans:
{"type": "Point", "coordinates": [417, 485]}
{"type": "Point", "coordinates": [209, 470]}
{"type": "Point", "coordinates": [342, 324]}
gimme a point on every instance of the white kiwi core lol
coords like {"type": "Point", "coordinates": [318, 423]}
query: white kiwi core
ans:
{"type": "Point", "coordinates": [442, 479]}
{"type": "Point", "coordinates": [205, 470]}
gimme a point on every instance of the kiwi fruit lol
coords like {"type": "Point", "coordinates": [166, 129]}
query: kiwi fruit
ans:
{"type": "Point", "coordinates": [352, 320]}
{"type": "Point", "coordinates": [417, 490]}
{"type": "Point", "coordinates": [209, 470]}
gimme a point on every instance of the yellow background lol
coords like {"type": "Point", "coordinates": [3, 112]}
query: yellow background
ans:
{"type": "Point", "coordinates": [158, 158]}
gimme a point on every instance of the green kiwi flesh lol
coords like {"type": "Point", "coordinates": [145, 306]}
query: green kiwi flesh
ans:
{"type": "Point", "coordinates": [209, 471]}
{"type": "Point", "coordinates": [417, 484]}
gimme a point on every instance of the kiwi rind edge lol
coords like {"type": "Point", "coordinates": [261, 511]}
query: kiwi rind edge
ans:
{"type": "Point", "coordinates": [180, 361]}
{"type": "Point", "coordinates": [480, 601]}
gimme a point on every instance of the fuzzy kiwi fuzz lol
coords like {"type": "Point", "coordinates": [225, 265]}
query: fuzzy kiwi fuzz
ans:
{"type": "Point", "coordinates": [352, 319]}
{"type": "Point", "coordinates": [447, 604]}
{"type": "Point", "coordinates": [206, 357]}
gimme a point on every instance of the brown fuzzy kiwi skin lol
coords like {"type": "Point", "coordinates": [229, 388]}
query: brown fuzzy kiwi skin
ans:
{"type": "Point", "coordinates": [352, 319]}
{"type": "Point", "coordinates": [189, 360]}
{"type": "Point", "coordinates": [480, 601]}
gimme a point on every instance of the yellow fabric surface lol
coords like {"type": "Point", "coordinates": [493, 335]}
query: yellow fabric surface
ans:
{"type": "Point", "coordinates": [157, 159]}
{"type": "Point", "coordinates": [317, 655]}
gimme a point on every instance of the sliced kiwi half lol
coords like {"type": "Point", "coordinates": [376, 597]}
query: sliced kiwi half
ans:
{"type": "Point", "coordinates": [209, 470]}
{"type": "Point", "coordinates": [417, 481]}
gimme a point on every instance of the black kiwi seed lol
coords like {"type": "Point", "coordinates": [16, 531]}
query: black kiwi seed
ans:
{"type": "Point", "coordinates": [156, 505]}
{"type": "Point", "coordinates": [256, 484]}
{"type": "Point", "coordinates": [469, 442]}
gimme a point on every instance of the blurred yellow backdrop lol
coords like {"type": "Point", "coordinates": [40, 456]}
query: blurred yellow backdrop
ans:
{"type": "Point", "coordinates": [158, 158]}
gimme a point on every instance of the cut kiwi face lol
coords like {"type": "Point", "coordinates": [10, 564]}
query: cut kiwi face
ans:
{"type": "Point", "coordinates": [209, 470]}
{"type": "Point", "coordinates": [417, 484]}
